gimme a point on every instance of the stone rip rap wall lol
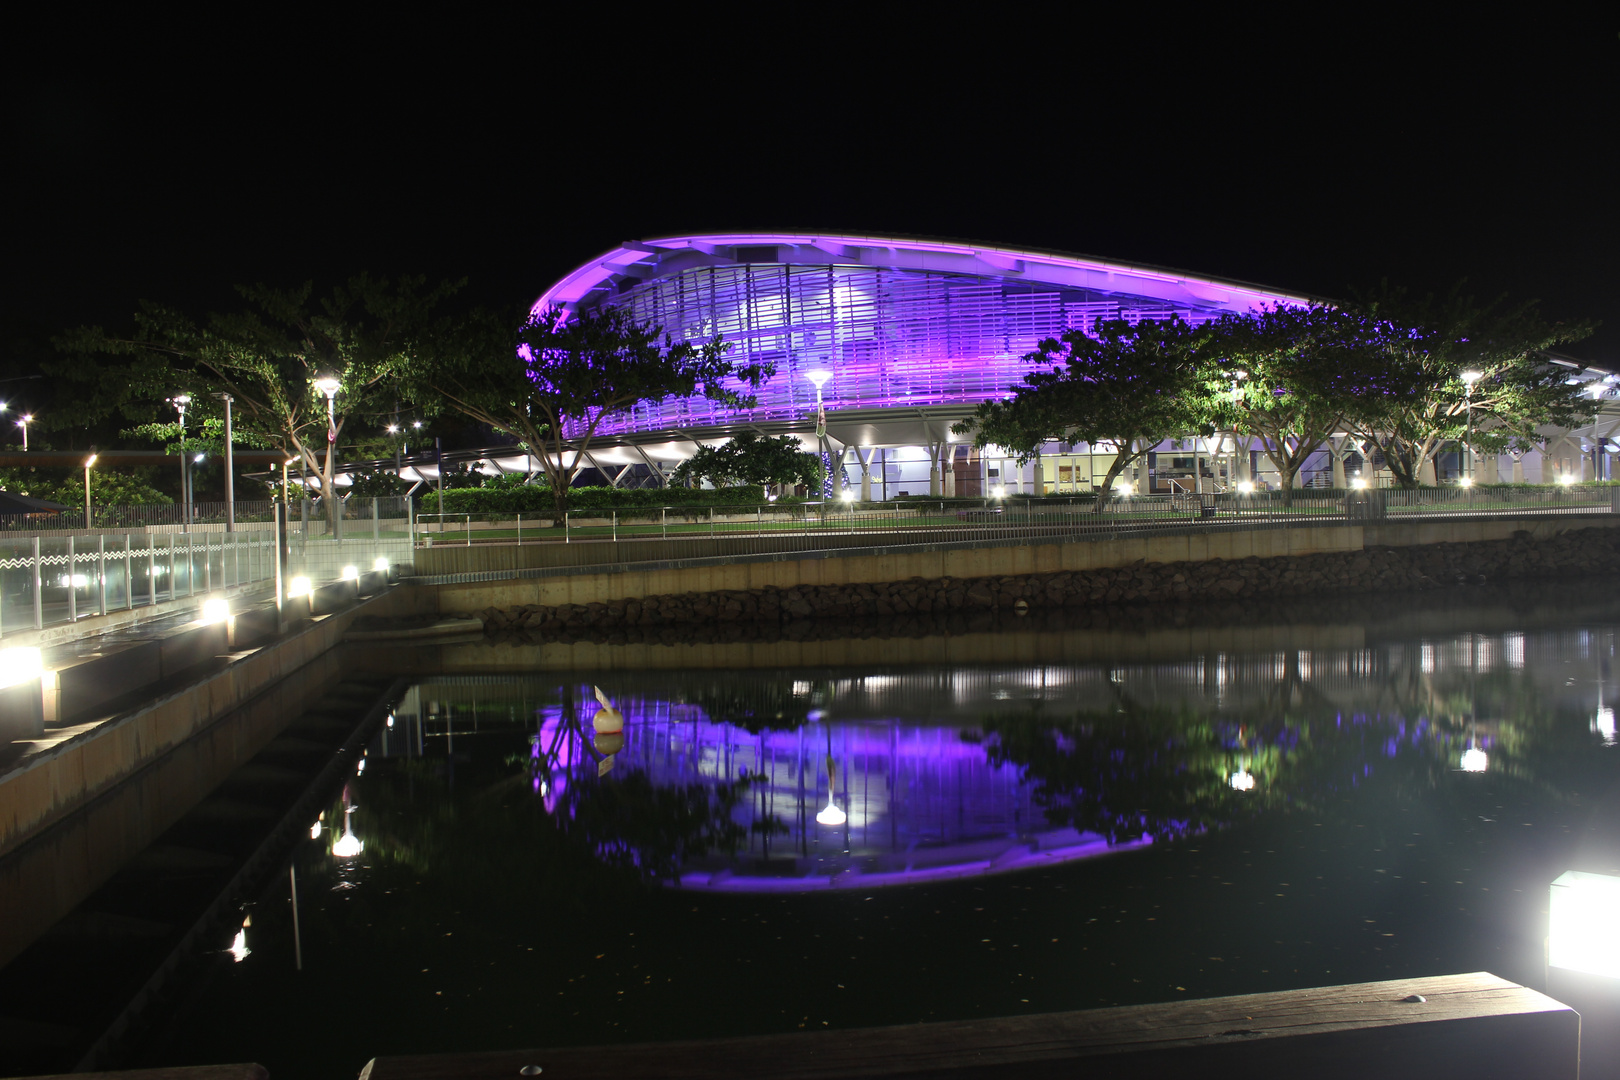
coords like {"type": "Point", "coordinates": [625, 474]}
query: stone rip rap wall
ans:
{"type": "Point", "coordinates": [1377, 569]}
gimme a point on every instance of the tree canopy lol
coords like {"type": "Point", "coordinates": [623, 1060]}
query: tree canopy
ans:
{"type": "Point", "coordinates": [751, 458]}
{"type": "Point", "coordinates": [1129, 385]}
{"type": "Point", "coordinates": [552, 382]}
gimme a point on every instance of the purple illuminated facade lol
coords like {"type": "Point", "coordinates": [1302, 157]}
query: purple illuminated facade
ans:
{"type": "Point", "coordinates": [911, 330]}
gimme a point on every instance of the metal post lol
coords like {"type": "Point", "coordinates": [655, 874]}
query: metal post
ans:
{"type": "Point", "coordinates": [174, 581]}
{"type": "Point", "coordinates": [191, 565]}
{"type": "Point", "coordinates": [208, 563]}
{"type": "Point", "coordinates": [73, 592]}
{"type": "Point", "coordinates": [281, 563]}
{"type": "Point", "coordinates": [615, 526]}
{"type": "Point", "coordinates": [129, 572]}
{"type": "Point", "coordinates": [298, 940]}
{"type": "Point", "coordinates": [101, 571]}
{"type": "Point", "coordinates": [565, 526]}
{"type": "Point", "coordinates": [151, 572]}
{"type": "Point", "coordinates": [39, 599]}
{"type": "Point", "coordinates": [376, 523]}
{"type": "Point", "coordinates": [520, 530]}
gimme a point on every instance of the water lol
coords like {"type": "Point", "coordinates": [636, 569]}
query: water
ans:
{"type": "Point", "coordinates": [1014, 838]}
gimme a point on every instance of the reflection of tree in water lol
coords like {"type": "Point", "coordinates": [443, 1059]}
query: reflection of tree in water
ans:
{"type": "Point", "coordinates": [1133, 770]}
{"type": "Point", "coordinates": [757, 704]}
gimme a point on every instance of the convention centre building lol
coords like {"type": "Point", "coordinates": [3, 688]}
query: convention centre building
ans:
{"type": "Point", "coordinates": [901, 338]}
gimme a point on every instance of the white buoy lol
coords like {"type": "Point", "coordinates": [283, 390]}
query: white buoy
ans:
{"type": "Point", "coordinates": [608, 719]}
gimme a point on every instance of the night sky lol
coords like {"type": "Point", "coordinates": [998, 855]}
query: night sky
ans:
{"type": "Point", "coordinates": [172, 160]}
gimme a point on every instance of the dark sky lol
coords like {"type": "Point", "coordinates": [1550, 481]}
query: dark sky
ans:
{"type": "Point", "coordinates": [172, 160]}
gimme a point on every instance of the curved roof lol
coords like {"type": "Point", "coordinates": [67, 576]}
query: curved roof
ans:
{"type": "Point", "coordinates": [641, 260]}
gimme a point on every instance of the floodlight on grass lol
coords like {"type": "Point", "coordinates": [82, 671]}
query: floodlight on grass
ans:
{"type": "Point", "coordinates": [1582, 931]}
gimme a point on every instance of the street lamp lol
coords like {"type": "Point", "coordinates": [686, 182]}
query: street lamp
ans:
{"type": "Point", "coordinates": [230, 468]}
{"type": "Point", "coordinates": [180, 402]}
{"type": "Point", "coordinates": [330, 387]}
{"type": "Point", "coordinates": [27, 418]}
{"type": "Point", "coordinates": [89, 461]}
{"type": "Point", "coordinates": [1469, 378]}
{"type": "Point", "coordinates": [819, 377]}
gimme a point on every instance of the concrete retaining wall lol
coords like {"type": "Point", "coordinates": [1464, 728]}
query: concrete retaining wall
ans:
{"type": "Point", "coordinates": [868, 566]}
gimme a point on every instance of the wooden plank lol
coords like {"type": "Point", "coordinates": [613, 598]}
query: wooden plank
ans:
{"type": "Point", "coordinates": [1475, 1026]}
{"type": "Point", "coordinates": [188, 1072]}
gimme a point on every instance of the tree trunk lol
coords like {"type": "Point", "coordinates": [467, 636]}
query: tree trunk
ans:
{"type": "Point", "coordinates": [1122, 460]}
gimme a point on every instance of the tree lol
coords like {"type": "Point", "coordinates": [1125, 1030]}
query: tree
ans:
{"type": "Point", "coordinates": [752, 458]}
{"type": "Point", "coordinates": [1288, 376]}
{"type": "Point", "coordinates": [270, 356]}
{"type": "Point", "coordinates": [1129, 385]}
{"type": "Point", "coordinates": [553, 383]}
{"type": "Point", "coordinates": [1423, 347]}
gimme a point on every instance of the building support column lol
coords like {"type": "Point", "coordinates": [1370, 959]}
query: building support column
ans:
{"type": "Point", "coordinates": [863, 454]}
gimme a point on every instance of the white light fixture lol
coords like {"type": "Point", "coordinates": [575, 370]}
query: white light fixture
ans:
{"type": "Point", "coordinates": [20, 664]}
{"type": "Point", "coordinates": [381, 565]}
{"type": "Point", "coordinates": [216, 609]}
{"type": "Point", "coordinates": [239, 949]}
{"type": "Point", "coordinates": [1242, 780]}
{"type": "Point", "coordinates": [819, 376]}
{"type": "Point", "coordinates": [848, 495]}
{"type": "Point", "coordinates": [351, 573]}
{"type": "Point", "coordinates": [1582, 931]}
{"type": "Point", "coordinates": [298, 586]}
{"type": "Point", "coordinates": [1475, 760]}
{"type": "Point", "coordinates": [1567, 479]}
{"type": "Point", "coordinates": [315, 831]}
{"type": "Point", "coordinates": [1469, 378]}
{"type": "Point", "coordinates": [1246, 487]}
{"type": "Point", "coordinates": [1000, 492]}
{"type": "Point", "coordinates": [1465, 481]}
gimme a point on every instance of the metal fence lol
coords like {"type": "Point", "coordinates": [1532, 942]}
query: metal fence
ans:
{"type": "Point", "coordinates": [946, 520]}
{"type": "Point", "coordinates": [58, 575]}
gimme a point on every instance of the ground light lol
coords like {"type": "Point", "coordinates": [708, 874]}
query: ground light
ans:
{"type": "Point", "coordinates": [298, 586]}
{"type": "Point", "coordinates": [848, 495]}
{"type": "Point", "coordinates": [1246, 487]}
{"type": "Point", "coordinates": [1359, 484]}
{"type": "Point", "coordinates": [1000, 492]}
{"type": "Point", "coordinates": [216, 609]}
{"type": "Point", "coordinates": [1465, 481]}
{"type": "Point", "coordinates": [1583, 933]}
{"type": "Point", "coordinates": [19, 664]}
{"type": "Point", "coordinates": [351, 573]}
{"type": "Point", "coordinates": [1567, 479]}
{"type": "Point", "coordinates": [381, 565]}
{"type": "Point", "coordinates": [1475, 760]}
{"type": "Point", "coordinates": [348, 845]}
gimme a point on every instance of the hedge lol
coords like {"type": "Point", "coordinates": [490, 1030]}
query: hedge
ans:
{"type": "Point", "coordinates": [539, 500]}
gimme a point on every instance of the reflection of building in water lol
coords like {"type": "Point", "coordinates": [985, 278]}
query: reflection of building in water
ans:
{"type": "Point", "coordinates": [918, 792]}
{"type": "Point", "coordinates": [917, 800]}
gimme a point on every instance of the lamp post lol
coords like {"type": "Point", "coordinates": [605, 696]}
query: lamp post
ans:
{"type": "Point", "coordinates": [27, 418]}
{"type": "Point", "coordinates": [819, 377]}
{"type": "Point", "coordinates": [1469, 378]}
{"type": "Point", "coordinates": [89, 461]}
{"type": "Point", "coordinates": [180, 402]}
{"type": "Point", "coordinates": [230, 470]}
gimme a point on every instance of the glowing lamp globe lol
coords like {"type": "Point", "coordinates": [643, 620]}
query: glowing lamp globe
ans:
{"type": "Point", "coordinates": [1359, 484]}
{"type": "Point", "coordinates": [1242, 780]}
{"type": "Point", "coordinates": [1582, 931]}
{"type": "Point", "coordinates": [819, 376]}
{"type": "Point", "coordinates": [298, 586]}
{"type": "Point", "coordinates": [351, 573]}
{"type": "Point", "coordinates": [1475, 760]}
{"type": "Point", "coordinates": [1465, 482]}
{"type": "Point", "coordinates": [1567, 479]}
{"type": "Point", "coordinates": [348, 845]}
{"type": "Point", "coordinates": [1246, 487]}
{"type": "Point", "coordinates": [381, 565]}
{"type": "Point", "coordinates": [1603, 725]}
{"type": "Point", "coordinates": [216, 609]}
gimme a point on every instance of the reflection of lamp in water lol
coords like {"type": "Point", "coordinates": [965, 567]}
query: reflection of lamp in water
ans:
{"type": "Point", "coordinates": [1582, 933]}
{"type": "Point", "coordinates": [239, 948]}
{"type": "Point", "coordinates": [348, 845]}
{"type": "Point", "coordinates": [830, 814]}
{"type": "Point", "coordinates": [315, 829]}
{"type": "Point", "coordinates": [1603, 724]}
